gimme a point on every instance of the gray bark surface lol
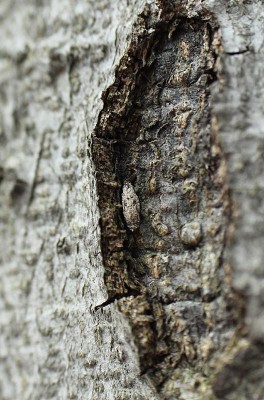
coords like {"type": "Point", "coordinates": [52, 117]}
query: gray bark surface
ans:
{"type": "Point", "coordinates": [156, 293]}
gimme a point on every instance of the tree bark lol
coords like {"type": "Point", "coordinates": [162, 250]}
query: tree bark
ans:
{"type": "Point", "coordinates": [131, 188]}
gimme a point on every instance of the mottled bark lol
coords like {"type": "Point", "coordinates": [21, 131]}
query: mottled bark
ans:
{"type": "Point", "coordinates": [131, 189]}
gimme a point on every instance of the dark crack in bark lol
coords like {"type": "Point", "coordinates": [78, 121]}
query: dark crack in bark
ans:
{"type": "Point", "coordinates": [169, 276]}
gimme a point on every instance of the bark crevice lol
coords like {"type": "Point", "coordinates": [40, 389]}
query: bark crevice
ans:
{"type": "Point", "coordinates": [156, 131]}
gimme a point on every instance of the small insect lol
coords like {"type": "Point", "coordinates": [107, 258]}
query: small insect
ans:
{"type": "Point", "coordinates": [131, 206]}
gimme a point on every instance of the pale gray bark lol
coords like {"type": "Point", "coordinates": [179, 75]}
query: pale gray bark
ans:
{"type": "Point", "coordinates": [57, 57]}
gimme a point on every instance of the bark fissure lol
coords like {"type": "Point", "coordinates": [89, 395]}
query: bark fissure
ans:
{"type": "Point", "coordinates": [156, 132]}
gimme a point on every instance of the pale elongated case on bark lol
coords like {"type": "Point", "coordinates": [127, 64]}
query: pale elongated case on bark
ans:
{"type": "Point", "coordinates": [131, 206]}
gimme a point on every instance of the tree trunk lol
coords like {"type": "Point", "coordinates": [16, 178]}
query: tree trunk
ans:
{"type": "Point", "coordinates": [131, 187]}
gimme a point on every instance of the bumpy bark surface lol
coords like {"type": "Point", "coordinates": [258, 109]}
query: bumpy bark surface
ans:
{"type": "Point", "coordinates": [131, 227]}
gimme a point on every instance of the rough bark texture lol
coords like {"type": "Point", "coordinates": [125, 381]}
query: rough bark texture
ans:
{"type": "Point", "coordinates": [131, 188]}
